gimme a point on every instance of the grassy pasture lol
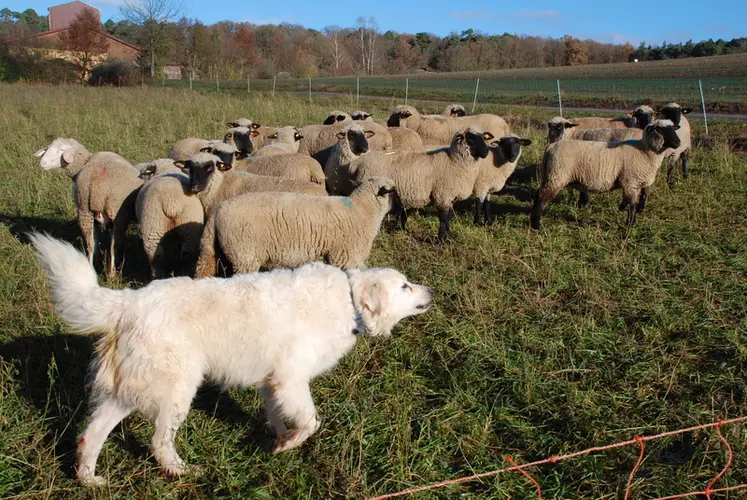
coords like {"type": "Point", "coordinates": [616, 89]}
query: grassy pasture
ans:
{"type": "Point", "coordinates": [539, 344]}
{"type": "Point", "coordinates": [621, 85]}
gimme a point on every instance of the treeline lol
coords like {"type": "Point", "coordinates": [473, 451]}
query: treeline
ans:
{"type": "Point", "coordinates": [231, 50]}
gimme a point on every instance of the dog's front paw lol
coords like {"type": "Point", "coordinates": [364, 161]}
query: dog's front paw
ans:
{"type": "Point", "coordinates": [287, 441]}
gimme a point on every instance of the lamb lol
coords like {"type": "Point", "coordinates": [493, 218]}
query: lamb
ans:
{"type": "Point", "coordinates": [105, 186]}
{"type": "Point", "coordinates": [318, 140]}
{"type": "Point", "coordinates": [440, 177]}
{"type": "Point", "coordinates": [494, 171]}
{"type": "Point", "coordinates": [211, 181]}
{"type": "Point", "coordinates": [352, 142]}
{"type": "Point", "coordinates": [454, 110]}
{"type": "Point", "coordinates": [403, 139]}
{"type": "Point", "coordinates": [283, 141]}
{"type": "Point", "coordinates": [674, 112]}
{"type": "Point", "coordinates": [170, 220]}
{"type": "Point", "coordinates": [638, 118]}
{"type": "Point", "coordinates": [600, 166]}
{"type": "Point", "coordinates": [241, 137]}
{"type": "Point", "coordinates": [438, 129]}
{"type": "Point", "coordinates": [288, 230]}
{"type": "Point", "coordinates": [336, 116]}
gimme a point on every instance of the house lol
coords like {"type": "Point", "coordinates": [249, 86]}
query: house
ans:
{"type": "Point", "coordinates": [173, 71]}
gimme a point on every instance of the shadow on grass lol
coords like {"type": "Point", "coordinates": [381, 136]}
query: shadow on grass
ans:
{"type": "Point", "coordinates": [52, 374]}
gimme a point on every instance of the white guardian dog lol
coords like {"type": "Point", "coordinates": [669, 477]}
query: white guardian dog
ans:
{"type": "Point", "coordinates": [275, 330]}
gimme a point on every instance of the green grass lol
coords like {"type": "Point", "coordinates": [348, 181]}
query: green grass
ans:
{"type": "Point", "coordinates": [579, 335]}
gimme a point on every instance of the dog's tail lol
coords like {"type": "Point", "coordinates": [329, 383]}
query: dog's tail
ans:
{"type": "Point", "coordinates": [77, 296]}
{"type": "Point", "coordinates": [206, 263]}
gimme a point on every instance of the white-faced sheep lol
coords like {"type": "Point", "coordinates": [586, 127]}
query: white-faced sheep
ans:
{"type": "Point", "coordinates": [170, 219]}
{"type": "Point", "coordinates": [336, 116]}
{"type": "Point", "coordinates": [318, 140]}
{"type": "Point", "coordinates": [600, 166]}
{"type": "Point", "coordinates": [440, 177]}
{"type": "Point", "coordinates": [352, 142]}
{"type": "Point", "coordinates": [454, 110]}
{"type": "Point", "coordinates": [104, 186]}
{"type": "Point", "coordinates": [283, 141]}
{"type": "Point", "coordinates": [438, 129]}
{"type": "Point", "coordinates": [288, 230]}
{"type": "Point", "coordinates": [494, 172]}
{"type": "Point", "coordinates": [674, 112]}
{"type": "Point", "coordinates": [213, 181]}
{"type": "Point", "coordinates": [241, 137]}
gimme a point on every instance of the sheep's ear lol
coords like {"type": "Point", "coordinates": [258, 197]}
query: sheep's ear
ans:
{"type": "Point", "coordinates": [340, 118]}
{"type": "Point", "coordinates": [253, 133]}
{"type": "Point", "coordinates": [68, 157]}
{"type": "Point", "coordinates": [340, 135]}
{"type": "Point", "coordinates": [181, 165]}
{"type": "Point", "coordinates": [570, 125]}
{"type": "Point", "coordinates": [231, 124]}
{"type": "Point", "coordinates": [273, 136]}
{"type": "Point", "coordinates": [487, 136]}
{"type": "Point", "coordinates": [297, 136]}
{"type": "Point", "coordinates": [329, 121]}
{"type": "Point", "coordinates": [369, 134]}
{"type": "Point", "coordinates": [385, 190]}
{"type": "Point", "coordinates": [148, 171]}
{"type": "Point", "coordinates": [525, 142]}
{"type": "Point", "coordinates": [406, 114]}
{"type": "Point", "coordinates": [686, 110]}
{"type": "Point", "coordinates": [369, 115]}
{"type": "Point", "coordinates": [676, 127]}
{"type": "Point", "coordinates": [223, 167]}
{"type": "Point", "coordinates": [229, 135]}
{"type": "Point", "coordinates": [206, 149]}
{"type": "Point", "coordinates": [40, 153]}
{"type": "Point", "coordinates": [255, 126]}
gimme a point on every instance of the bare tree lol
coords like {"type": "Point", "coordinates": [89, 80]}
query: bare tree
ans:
{"type": "Point", "coordinates": [367, 36]}
{"type": "Point", "coordinates": [84, 41]}
{"type": "Point", "coordinates": [338, 55]}
{"type": "Point", "coordinates": [152, 15]}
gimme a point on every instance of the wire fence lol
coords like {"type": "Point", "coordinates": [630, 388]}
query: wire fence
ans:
{"type": "Point", "coordinates": [725, 95]}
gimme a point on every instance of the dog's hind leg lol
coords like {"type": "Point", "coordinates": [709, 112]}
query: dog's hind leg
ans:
{"type": "Point", "coordinates": [105, 417]}
{"type": "Point", "coordinates": [274, 412]}
{"type": "Point", "coordinates": [296, 404]}
{"type": "Point", "coordinates": [171, 414]}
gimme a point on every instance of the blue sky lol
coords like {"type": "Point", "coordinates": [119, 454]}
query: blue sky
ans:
{"type": "Point", "coordinates": [603, 20]}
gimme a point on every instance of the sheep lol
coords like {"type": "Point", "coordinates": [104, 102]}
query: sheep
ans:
{"type": "Point", "coordinates": [558, 128]}
{"type": "Point", "coordinates": [601, 166]}
{"type": "Point", "coordinates": [440, 177]}
{"type": "Point", "coordinates": [170, 219]}
{"type": "Point", "coordinates": [438, 129]}
{"type": "Point", "coordinates": [318, 140]}
{"type": "Point", "coordinates": [494, 171]}
{"type": "Point", "coordinates": [150, 169]}
{"type": "Point", "coordinates": [241, 137]}
{"type": "Point", "coordinates": [336, 116]}
{"type": "Point", "coordinates": [283, 141]}
{"type": "Point", "coordinates": [258, 140]}
{"type": "Point", "coordinates": [403, 139]}
{"type": "Point", "coordinates": [352, 142]}
{"type": "Point", "coordinates": [211, 181]}
{"type": "Point", "coordinates": [243, 122]}
{"type": "Point", "coordinates": [674, 112]}
{"type": "Point", "coordinates": [638, 118]}
{"type": "Point", "coordinates": [288, 230]}
{"type": "Point", "coordinates": [104, 187]}
{"type": "Point", "coordinates": [454, 110]}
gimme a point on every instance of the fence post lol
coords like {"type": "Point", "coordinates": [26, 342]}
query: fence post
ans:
{"type": "Point", "coordinates": [273, 85]}
{"type": "Point", "coordinates": [248, 85]}
{"type": "Point", "coordinates": [217, 85]}
{"type": "Point", "coordinates": [407, 89]}
{"type": "Point", "coordinates": [560, 102]}
{"type": "Point", "coordinates": [702, 102]}
{"type": "Point", "coordinates": [309, 90]}
{"type": "Point", "coordinates": [190, 82]}
{"type": "Point", "coordinates": [357, 89]}
{"type": "Point", "coordinates": [474, 101]}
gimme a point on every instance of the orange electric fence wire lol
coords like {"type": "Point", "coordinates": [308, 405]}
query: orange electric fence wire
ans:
{"type": "Point", "coordinates": [640, 440]}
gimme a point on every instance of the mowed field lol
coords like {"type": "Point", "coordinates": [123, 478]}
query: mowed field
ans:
{"type": "Point", "coordinates": [540, 343]}
{"type": "Point", "coordinates": [621, 85]}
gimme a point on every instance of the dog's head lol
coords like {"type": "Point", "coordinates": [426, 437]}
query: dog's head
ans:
{"type": "Point", "coordinates": [384, 297]}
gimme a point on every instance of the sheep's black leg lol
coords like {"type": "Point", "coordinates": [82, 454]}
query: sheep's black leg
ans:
{"type": "Point", "coordinates": [444, 218]}
{"type": "Point", "coordinates": [583, 198]}
{"type": "Point", "coordinates": [403, 218]}
{"type": "Point", "coordinates": [631, 214]}
{"type": "Point", "coordinates": [670, 173]}
{"type": "Point", "coordinates": [642, 200]}
{"type": "Point", "coordinates": [685, 156]}
{"type": "Point", "coordinates": [541, 198]}
{"type": "Point", "coordinates": [487, 210]}
{"type": "Point", "coordinates": [478, 211]}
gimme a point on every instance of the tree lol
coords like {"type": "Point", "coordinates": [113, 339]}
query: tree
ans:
{"type": "Point", "coordinates": [367, 35]}
{"type": "Point", "coordinates": [338, 52]}
{"type": "Point", "coordinates": [576, 52]}
{"type": "Point", "coordinates": [84, 41]}
{"type": "Point", "coordinates": [152, 16]}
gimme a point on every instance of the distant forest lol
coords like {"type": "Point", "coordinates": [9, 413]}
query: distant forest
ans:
{"type": "Point", "coordinates": [233, 50]}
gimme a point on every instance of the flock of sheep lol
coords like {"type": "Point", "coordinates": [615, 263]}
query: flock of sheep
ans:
{"type": "Point", "coordinates": [280, 197]}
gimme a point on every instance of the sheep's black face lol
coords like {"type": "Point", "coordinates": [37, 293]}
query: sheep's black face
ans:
{"type": "Point", "coordinates": [395, 120]}
{"type": "Point", "coordinates": [511, 148]}
{"type": "Point", "coordinates": [360, 116]}
{"type": "Point", "coordinates": [329, 121]}
{"type": "Point", "coordinates": [478, 148]}
{"type": "Point", "coordinates": [226, 157]}
{"type": "Point", "coordinates": [671, 139]}
{"type": "Point", "coordinates": [642, 119]}
{"type": "Point", "coordinates": [672, 114]}
{"type": "Point", "coordinates": [358, 142]}
{"type": "Point", "coordinates": [458, 112]}
{"type": "Point", "coordinates": [554, 132]}
{"type": "Point", "coordinates": [396, 207]}
{"type": "Point", "coordinates": [199, 175]}
{"type": "Point", "coordinates": [243, 143]}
